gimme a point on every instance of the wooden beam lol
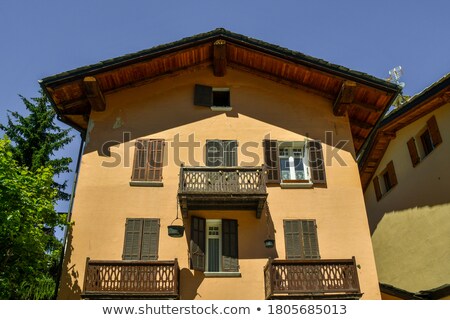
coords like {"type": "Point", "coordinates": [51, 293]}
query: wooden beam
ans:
{"type": "Point", "coordinates": [361, 124]}
{"type": "Point", "coordinates": [94, 94]}
{"type": "Point", "coordinates": [366, 106]}
{"type": "Point", "coordinates": [446, 97]}
{"type": "Point", "coordinates": [344, 98]}
{"type": "Point", "coordinates": [220, 58]}
{"type": "Point", "coordinates": [280, 80]}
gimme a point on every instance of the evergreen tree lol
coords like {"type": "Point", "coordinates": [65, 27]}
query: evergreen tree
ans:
{"type": "Point", "coordinates": [36, 138]}
{"type": "Point", "coordinates": [29, 251]}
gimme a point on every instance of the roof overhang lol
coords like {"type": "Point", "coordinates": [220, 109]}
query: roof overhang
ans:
{"type": "Point", "coordinates": [418, 106]}
{"type": "Point", "coordinates": [363, 97]}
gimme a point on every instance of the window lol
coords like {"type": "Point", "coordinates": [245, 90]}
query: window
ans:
{"type": "Point", "coordinates": [424, 142]}
{"type": "Point", "coordinates": [214, 245]}
{"type": "Point", "coordinates": [427, 144]}
{"type": "Point", "coordinates": [295, 161]}
{"type": "Point", "coordinates": [221, 153]}
{"type": "Point", "coordinates": [291, 161]}
{"type": "Point", "coordinates": [216, 98]}
{"type": "Point", "coordinates": [141, 239]}
{"type": "Point", "coordinates": [148, 162]}
{"type": "Point", "coordinates": [387, 182]}
{"type": "Point", "coordinates": [388, 178]}
{"type": "Point", "coordinates": [300, 238]}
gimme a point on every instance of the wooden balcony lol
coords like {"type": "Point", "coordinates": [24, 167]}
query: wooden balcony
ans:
{"type": "Point", "coordinates": [222, 188]}
{"type": "Point", "coordinates": [131, 279]}
{"type": "Point", "coordinates": [311, 279]}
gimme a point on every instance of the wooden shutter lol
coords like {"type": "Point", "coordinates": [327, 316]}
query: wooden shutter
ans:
{"type": "Point", "coordinates": [140, 161]}
{"type": "Point", "coordinates": [150, 239]}
{"type": "Point", "coordinates": [141, 239]}
{"type": "Point", "coordinates": [148, 160]}
{"type": "Point", "coordinates": [197, 243]}
{"type": "Point", "coordinates": [230, 246]}
{"type": "Point", "coordinates": [391, 173]}
{"type": "Point", "coordinates": [214, 153]}
{"type": "Point", "coordinates": [230, 153]}
{"type": "Point", "coordinates": [132, 243]}
{"type": "Point", "coordinates": [271, 155]}
{"type": "Point", "coordinates": [434, 131]}
{"type": "Point", "coordinates": [292, 239]}
{"type": "Point", "coordinates": [309, 239]}
{"type": "Point", "coordinates": [301, 239]}
{"type": "Point", "coordinates": [376, 185]}
{"type": "Point", "coordinates": [412, 148]}
{"type": "Point", "coordinates": [155, 163]}
{"type": "Point", "coordinates": [203, 96]}
{"type": "Point", "coordinates": [316, 162]}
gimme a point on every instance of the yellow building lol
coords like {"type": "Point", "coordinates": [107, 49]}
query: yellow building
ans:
{"type": "Point", "coordinates": [251, 146]}
{"type": "Point", "coordinates": [405, 173]}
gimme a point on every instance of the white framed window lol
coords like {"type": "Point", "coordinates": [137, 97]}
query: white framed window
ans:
{"type": "Point", "coordinates": [292, 161]}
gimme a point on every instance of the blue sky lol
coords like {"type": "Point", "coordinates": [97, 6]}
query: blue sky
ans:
{"type": "Point", "coordinates": [42, 38]}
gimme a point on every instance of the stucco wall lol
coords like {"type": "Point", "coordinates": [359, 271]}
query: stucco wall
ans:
{"type": "Point", "coordinates": [164, 109]}
{"type": "Point", "coordinates": [411, 223]}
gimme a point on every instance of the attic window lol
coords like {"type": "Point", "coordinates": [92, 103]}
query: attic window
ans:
{"type": "Point", "coordinates": [218, 99]}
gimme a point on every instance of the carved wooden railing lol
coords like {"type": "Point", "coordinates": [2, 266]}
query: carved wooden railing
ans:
{"type": "Point", "coordinates": [311, 277]}
{"type": "Point", "coordinates": [131, 278]}
{"type": "Point", "coordinates": [222, 180]}
{"type": "Point", "coordinates": [224, 188]}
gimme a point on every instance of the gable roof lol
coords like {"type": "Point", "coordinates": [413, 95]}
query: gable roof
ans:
{"type": "Point", "coordinates": [363, 97]}
{"type": "Point", "coordinates": [418, 106]}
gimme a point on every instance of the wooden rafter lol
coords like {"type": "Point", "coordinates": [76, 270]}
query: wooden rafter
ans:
{"type": "Point", "coordinates": [94, 94]}
{"type": "Point", "coordinates": [281, 80]}
{"type": "Point", "coordinates": [344, 98]}
{"type": "Point", "coordinates": [446, 97]}
{"type": "Point", "coordinates": [369, 107]}
{"type": "Point", "coordinates": [361, 124]}
{"type": "Point", "coordinates": [220, 58]}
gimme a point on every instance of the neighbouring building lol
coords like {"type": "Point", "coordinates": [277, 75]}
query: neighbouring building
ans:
{"type": "Point", "coordinates": [405, 174]}
{"type": "Point", "coordinates": [251, 146]}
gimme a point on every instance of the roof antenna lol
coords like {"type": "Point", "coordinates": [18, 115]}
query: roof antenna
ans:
{"type": "Point", "coordinates": [394, 77]}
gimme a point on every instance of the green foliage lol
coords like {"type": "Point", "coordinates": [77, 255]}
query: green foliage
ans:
{"type": "Point", "coordinates": [36, 138]}
{"type": "Point", "coordinates": [29, 250]}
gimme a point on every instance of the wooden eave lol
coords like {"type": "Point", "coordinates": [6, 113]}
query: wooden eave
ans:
{"type": "Point", "coordinates": [422, 104]}
{"type": "Point", "coordinates": [360, 96]}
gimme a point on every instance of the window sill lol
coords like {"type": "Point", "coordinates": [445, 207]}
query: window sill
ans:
{"type": "Point", "coordinates": [222, 274]}
{"type": "Point", "coordinates": [296, 185]}
{"type": "Point", "coordinates": [213, 108]}
{"type": "Point", "coordinates": [146, 184]}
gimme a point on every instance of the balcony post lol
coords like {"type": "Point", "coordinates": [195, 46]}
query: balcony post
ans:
{"type": "Point", "coordinates": [86, 271]}
{"type": "Point", "coordinates": [356, 273]}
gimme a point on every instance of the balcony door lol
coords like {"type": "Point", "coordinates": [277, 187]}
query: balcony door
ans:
{"type": "Point", "coordinates": [221, 153]}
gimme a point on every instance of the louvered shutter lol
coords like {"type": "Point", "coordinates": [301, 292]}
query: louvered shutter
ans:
{"type": "Point", "coordinates": [292, 239]}
{"type": "Point", "coordinates": [214, 153]}
{"type": "Point", "coordinates": [132, 243]}
{"type": "Point", "coordinates": [155, 163]}
{"type": "Point", "coordinates": [150, 239]}
{"type": "Point", "coordinates": [230, 245]}
{"type": "Point", "coordinates": [376, 186]}
{"type": "Point", "coordinates": [140, 161]}
{"type": "Point", "coordinates": [391, 173]}
{"type": "Point", "coordinates": [316, 162]}
{"type": "Point", "coordinates": [271, 160]}
{"type": "Point", "coordinates": [230, 153]}
{"type": "Point", "coordinates": [148, 160]}
{"type": "Point", "coordinates": [434, 131]}
{"type": "Point", "coordinates": [197, 243]}
{"type": "Point", "coordinates": [203, 96]}
{"type": "Point", "coordinates": [412, 148]}
{"type": "Point", "coordinates": [309, 239]}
